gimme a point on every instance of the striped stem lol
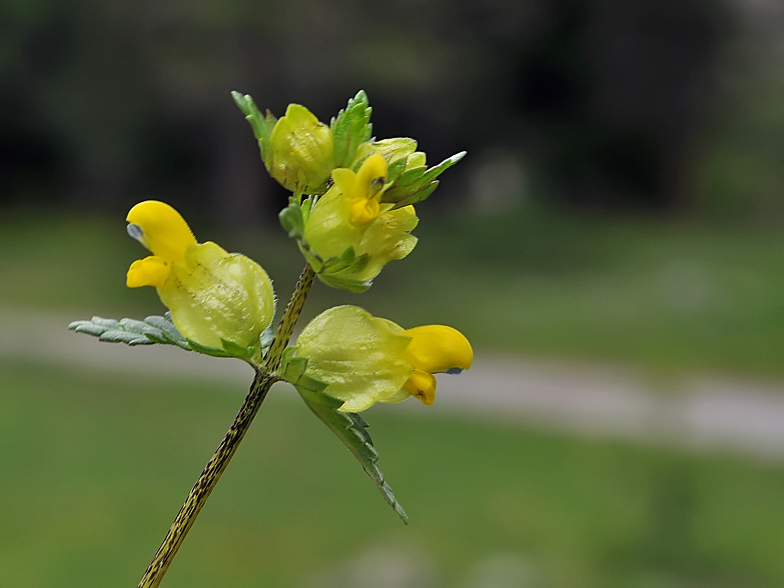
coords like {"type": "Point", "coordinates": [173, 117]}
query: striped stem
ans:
{"type": "Point", "coordinates": [265, 377]}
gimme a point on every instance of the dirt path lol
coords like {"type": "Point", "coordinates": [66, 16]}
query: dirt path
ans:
{"type": "Point", "coordinates": [699, 412]}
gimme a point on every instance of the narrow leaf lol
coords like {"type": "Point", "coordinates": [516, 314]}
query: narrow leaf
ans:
{"type": "Point", "coordinates": [262, 125]}
{"type": "Point", "coordinates": [152, 330]}
{"type": "Point", "coordinates": [349, 427]}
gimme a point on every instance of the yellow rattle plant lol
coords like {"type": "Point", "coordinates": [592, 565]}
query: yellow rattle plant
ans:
{"type": "Point", "coordinates": [350, 212]}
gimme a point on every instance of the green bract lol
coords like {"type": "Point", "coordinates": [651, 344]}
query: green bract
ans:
{"type": "Point", "coordinates": [215, 296]}
{"type": "Point", "coordinates": [358, 356]}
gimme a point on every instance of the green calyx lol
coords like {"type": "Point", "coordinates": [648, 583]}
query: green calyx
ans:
{"type": "Point", "coordinates": [217, 297]}
{"type": "Point", "coordinates": [358, 356]}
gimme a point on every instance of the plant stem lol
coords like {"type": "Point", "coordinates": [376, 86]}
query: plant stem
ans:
{"type": "Point", "coordinates": [265, 377]}
{"type": "Point", "coordinates": [286, 324]}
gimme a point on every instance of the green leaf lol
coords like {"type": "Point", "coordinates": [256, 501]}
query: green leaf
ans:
{"type": "Point", "coordinates": [344, 283]}
{"type": "Point", "coordinates": [347, 262]}
{"type": "Point", "coordinates": [395, 169]}
{"type": "Point", "coordinates": [267, 337]}
{"type": "Point", "coordinates": [349, 427]}
{"type": "Point", "coordinates": [291, 219]}
{"type": "Point", "coordinates": [351, 128]}
{"type": "Point", "coordinates": [152, 330]}
{"type": "Point", "coordinates": [417, 183]}
{"type": "Point", "coordinates": [436, 171]}
{"type": "Point", "coordinates": [262, 125]}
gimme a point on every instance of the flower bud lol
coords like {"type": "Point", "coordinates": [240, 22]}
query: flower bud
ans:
{"type": "Point", "coordinates": [301, 154]}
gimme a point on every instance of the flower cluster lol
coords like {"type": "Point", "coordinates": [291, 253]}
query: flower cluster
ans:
{"type": "Point", "coordinates": [351, 207]}
{"type": "Point", "coordinates": [351, 212]}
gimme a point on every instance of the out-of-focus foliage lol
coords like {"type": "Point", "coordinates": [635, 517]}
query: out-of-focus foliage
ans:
{"type": "Point", "coordinates": [672, 104]}
{"type": "Point", "coordinates": [91, 488]}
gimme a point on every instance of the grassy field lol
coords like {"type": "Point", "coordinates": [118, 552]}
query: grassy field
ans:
{"type": "Point", "coordinates": [672, 297]}
{"type": "Point", "coordinates": [96, 466]}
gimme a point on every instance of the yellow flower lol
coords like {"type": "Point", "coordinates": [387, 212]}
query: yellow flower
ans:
{"type": "Point", "coordinates": [301, 157]}
{"type": "Point", "coordinates": [363, 189]}
{"type": "Point", "coordinates": [350, 215]}
{"type": "Point", "coordinates": [213, 296]}
{"type": "Point", "coordinates": [365, 359]}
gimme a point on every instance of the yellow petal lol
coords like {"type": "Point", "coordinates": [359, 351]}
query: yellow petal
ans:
{"type": "Point", "coordinates": [422, 385]}
{"type": "Point", "coordinates": [150, 271]}
{"type": "Point", "coordinates": [346, 181]}
{"type": "Point", "coordinates": [371, 177]}
{"type": "Point", "coordinates": [161, 229]}
{"type": "Point", "coordinates": [364, 211]}
{"type": "Point", "coordinates": [437, 348]}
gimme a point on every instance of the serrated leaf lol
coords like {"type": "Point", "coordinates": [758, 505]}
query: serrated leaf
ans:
{"type": "Point", "coordinates": [420, 195]}
{"type": "Point", "coordinates": [87, 328]}
{"type": "Point", "coordinates": [351, 128]}
{"type": "Point", "coordinates": [152, 330]}
{"type": "Point", "coordinates": [168, 332]}
{"type": "Point", "coordinates": [262, 125]}
{"type": "Point", "coordinates": [120, 336]}
{"type": "Point", "coordinates": [417, 183]}
{"type": "Point", "coordinates": [107, 323]}
{"type": "Point", "coordinates": [350, 428]}
{"type": "Point", "coordinates": [436, 171]}
{"type": "Point", "coordinates": [395, 169]}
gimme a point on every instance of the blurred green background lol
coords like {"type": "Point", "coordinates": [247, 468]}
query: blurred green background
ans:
{"type": "Point", "coordinates": [621, 203]}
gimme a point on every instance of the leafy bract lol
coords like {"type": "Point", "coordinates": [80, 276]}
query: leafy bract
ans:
{"type": "Point", "coordinates": [417, 183]}
{"type": "Point", "coordinates": [349, 427]}
{"type": "Point", "coordinates": [161, 330]}
{"type": "Point", "coordinates": [261, 124]}
{"type": "Point", "coordinates": [351, 128]}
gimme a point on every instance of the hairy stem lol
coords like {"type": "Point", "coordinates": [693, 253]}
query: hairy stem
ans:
{"type": "Point", "coordinates": [286, 325]}
{"type": "Point", "coordinates": [265, 377]}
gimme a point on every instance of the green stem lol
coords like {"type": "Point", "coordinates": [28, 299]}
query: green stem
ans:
{"type": "Point", "coordinates": [286, 325]}
{"type": "Point", "coordinates": [265, 377]}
